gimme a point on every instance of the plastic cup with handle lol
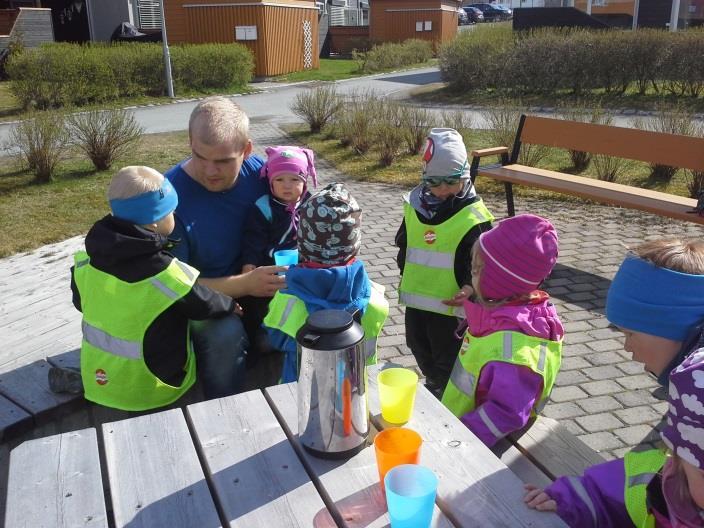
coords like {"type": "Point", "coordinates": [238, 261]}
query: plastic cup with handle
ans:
{"type": "Point", "coordinates": [410, 496]}
{"type": "Point", "coordinates": [397, 394]}
{"type": "Point", "coordinates": [396, 446]}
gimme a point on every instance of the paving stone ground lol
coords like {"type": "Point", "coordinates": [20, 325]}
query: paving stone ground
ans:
{"type": "Point", "coordinates": [600, 395]}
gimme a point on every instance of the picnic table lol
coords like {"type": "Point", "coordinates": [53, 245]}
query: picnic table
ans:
{"type": "Point", "coordinates": [236, 461]}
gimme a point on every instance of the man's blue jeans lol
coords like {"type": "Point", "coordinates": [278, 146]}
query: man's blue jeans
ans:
{"type": "Point", "coordinates": [220, 346]}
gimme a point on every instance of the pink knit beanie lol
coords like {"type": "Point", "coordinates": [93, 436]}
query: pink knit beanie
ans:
{"type": "Point", "coordinates": [518, 254]}
{"type": "Point", "coordinates": [293, 160]}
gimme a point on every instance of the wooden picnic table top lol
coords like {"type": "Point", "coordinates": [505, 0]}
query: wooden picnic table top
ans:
{"type": "Point", "coordinates": [236, 461]}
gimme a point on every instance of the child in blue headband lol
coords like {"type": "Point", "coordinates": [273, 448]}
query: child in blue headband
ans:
{"type": "Point", "coordinates": [137, 300]}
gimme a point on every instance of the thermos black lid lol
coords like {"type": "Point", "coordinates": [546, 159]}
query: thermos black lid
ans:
{"type": "Point", "coordinates": [330, 330]}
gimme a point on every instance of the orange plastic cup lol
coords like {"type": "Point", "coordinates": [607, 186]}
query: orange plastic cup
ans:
{"type": "Point", "coordinates": [395, 446]}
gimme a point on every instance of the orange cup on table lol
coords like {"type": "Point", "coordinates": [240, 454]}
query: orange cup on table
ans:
{"type": "Point", "coordinates": [395, 446]}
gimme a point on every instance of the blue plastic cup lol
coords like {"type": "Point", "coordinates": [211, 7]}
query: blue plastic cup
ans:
{"type": "Point", "coordinates": [286, 257]}
{"type": "Point", "coordinates": [410, 495]}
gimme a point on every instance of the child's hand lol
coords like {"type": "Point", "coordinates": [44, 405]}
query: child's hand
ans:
{"type": "Point", "coordinates": [247, 268]}
{"type": "Point", "coordinates": [238, 309]}
{"type": "Point", "coordinates": [460, 296]}
{"type": "Point", "coordinates": [537, 499]}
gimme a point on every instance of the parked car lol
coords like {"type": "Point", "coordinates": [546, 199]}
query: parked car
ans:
{"type": "Point", "coordinates": [494, 12]}
{"type": "Point", "coordinates": [462, 18]}
{"type": "Point", "coordinates": [474, 15]}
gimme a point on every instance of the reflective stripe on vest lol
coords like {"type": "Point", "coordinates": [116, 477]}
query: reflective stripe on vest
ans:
{"type": "Point", "coordinates": [113, 345]}
{"type": "Point", "coordinates": [116, 317]}
{"type": "Point", "coordinates": [581, 492]}
{"type": "Point", "coordinates": [429, 304]}
{"type": "Point", "coordinates": [429, 269]}
{"type": "Point", "coordinates": [540, 355]}
{"type": "Point", "coordinates": [640, 468]}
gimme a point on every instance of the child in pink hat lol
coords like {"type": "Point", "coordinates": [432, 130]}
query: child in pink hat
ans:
{"type": "Point", "coordinates": [271, 226]}
{"type": "Point", "coordinates": [511, 350]}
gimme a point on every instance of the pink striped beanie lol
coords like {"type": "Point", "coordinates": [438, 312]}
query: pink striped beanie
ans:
{"type": "Point", "coordinates": [518, 254]}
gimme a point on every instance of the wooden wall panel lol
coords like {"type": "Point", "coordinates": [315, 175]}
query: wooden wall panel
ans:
{"type": "Point", "coordinates": [395, 20]}
{"type": "Point", "coordinates": [279, 45]}
{"type": "Point", "coordinates": [611, 8]}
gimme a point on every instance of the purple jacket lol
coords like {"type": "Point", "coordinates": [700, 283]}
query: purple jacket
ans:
{"type": "Point", "coordinates": [507, 392]}
{"type": "Point", "coordinates": [604, 485]}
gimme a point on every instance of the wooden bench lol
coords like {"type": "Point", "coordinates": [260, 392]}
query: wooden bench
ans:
{"type": "Point", "coordinates": [650, 147]}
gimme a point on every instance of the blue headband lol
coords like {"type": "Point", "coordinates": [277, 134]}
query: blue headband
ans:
{"type": "Point", "coordinates": [148, 207]}
{"type": "Point", "coordinates": [657, 301]}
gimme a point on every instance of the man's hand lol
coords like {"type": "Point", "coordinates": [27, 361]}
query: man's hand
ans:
{"type": "Point", "coordinates": [264, 281]}
{"type": "Point", "coordinates": [537, 499]}
{"type": "Point", "coordinates": [460, 296]}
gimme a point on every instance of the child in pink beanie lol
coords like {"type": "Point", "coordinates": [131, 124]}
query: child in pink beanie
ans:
{"type": "Point", "coordinates": [511, 350]}
{"type": "Point", "coordinates": [271, 226]}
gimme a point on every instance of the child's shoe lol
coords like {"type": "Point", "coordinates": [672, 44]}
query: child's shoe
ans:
{"type": "Point", "coordinates": [65, 379]}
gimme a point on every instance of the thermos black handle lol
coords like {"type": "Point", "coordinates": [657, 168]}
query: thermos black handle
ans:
{"type": "Point", "coordinates": [357, 315]}
{"type": "Point", "coordinates": [310, 339]}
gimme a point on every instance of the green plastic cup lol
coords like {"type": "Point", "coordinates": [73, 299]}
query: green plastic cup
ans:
{"type": "Point", "coordinates": [397, 394]}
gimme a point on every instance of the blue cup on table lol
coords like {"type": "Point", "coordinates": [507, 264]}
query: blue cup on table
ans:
{"type": "Point", "coordinates": [286, 257]}
{"type": "Point", "coordinates": [410, 495]}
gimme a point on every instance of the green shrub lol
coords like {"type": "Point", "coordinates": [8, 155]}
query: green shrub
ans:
{"type": "Point", "coordinates": [317, 107]}
{"type": "Point", "coordinates": [104, 135]}
{"type": "Point", "coordinates": [41, 140]}
{"type": "Point", "coordinates": [393, 55]}
{"type": "Point", "coordinates": [208, 66]}
{"type": "Point", "coordinates": [478, 59]}
{"type": "Point", "coordinates": [62, 74]}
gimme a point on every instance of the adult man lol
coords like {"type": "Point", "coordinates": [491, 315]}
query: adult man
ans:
{"type": "Point", "coordinates": [217, 186]}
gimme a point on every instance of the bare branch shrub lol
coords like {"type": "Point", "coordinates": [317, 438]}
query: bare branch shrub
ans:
{"type": "Point", "coordinates": [317, 107]}
{"type": "Point", "coordinates": [41, 140]}
{"type": "Point", "coordinates": [608, 168]}
{"type": "Point", "coordinates": [416, 123]}
{"type": "Point", "coordinates": [104, 135]}
{"type": "Point", "coordinates": [581, 113]}
{"type": "Point", "coordinates": [502, 122]}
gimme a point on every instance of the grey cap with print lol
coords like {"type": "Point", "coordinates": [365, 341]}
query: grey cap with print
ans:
{"type": "Point", "coordinates": [445, 155]}
{"type": "Point", "coordinates": [329, 226]}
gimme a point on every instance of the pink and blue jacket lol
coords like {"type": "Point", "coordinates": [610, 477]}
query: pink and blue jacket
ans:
{"type": "Point", "coordinates": [508, 392]}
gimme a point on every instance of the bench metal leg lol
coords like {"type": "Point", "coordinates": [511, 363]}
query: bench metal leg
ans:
{"type": "Point", "coordinates": [509, 199]}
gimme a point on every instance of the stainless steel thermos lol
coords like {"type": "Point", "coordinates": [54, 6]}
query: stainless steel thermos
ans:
{"type": "Point", "coordinates": [333, 420]}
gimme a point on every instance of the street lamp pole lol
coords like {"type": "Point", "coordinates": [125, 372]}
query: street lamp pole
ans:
{"type": "Point", "coordinates": [167, 56]}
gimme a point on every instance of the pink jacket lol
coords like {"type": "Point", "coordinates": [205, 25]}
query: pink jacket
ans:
{"type": "Point", "coordinates": [506, 392]}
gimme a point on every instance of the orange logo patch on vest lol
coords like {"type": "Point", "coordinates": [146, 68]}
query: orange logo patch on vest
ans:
{"type": "Point", "coordinates": [429, 236]}
{"type": "Point", "coordinates": [101, 377]}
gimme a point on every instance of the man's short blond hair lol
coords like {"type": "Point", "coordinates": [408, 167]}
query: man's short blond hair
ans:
{"type": "Point", "coordinates": [677, 254]}
{"type": "Point", "coordinates": [133, 181]}
{"type": "Point", "coordinates": [218, 120]}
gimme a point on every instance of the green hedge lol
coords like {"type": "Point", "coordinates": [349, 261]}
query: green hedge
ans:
{"type": "Point", "coordinates": [576, 60]}
{"type": "Point", "coordinates": [394, 55]}
{"type": "Point", "coordinates": [63, 74]}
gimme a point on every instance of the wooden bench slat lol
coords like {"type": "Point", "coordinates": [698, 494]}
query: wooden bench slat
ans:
{"type": "Point", "coordinates": [521, 466]}
{"type": "Point", "coordinates": [256, 474]}
{"type": "Point", "coordinates": [475, 488]}
{"type": "Point", "coordinates": [554, 449]}
{"type": "Point", "coordinates": [155, 476]}
{"type": "Point", "coordinates": [56, 481]}
{"type": "Point", "coordinates": [351, 487]}
{"type": "Point", "coordinates": [13, 419]}
{"type": "Point", "coordinates": [620, 142]}
{"type": "Point", "coordinates": [664, 204]}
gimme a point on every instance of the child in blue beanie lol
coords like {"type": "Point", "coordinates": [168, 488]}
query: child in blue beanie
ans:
{"type": "Point", "coordinates": [328, 276]}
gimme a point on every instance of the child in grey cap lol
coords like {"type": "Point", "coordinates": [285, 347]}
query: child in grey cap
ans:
{"type": "Point", "coordinates": [443, 217]}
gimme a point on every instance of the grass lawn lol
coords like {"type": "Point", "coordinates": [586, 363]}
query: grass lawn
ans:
{"type": "Point", "coordinates": [337, 69]}
{"type": "Point", "coordinates": [34, 215]}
